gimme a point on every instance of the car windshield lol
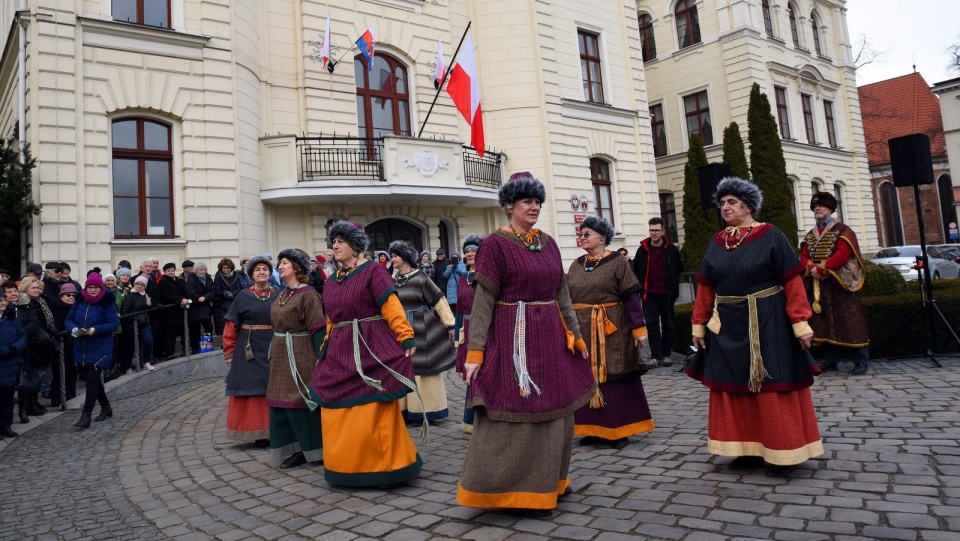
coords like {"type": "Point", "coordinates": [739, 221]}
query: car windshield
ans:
{"type": "Point", "coordinates": [898, 251]}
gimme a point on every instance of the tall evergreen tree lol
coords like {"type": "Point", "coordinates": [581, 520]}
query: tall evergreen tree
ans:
{"type": "Point", "coordinates": [698, 225]}
{"type": "Point", "coordinates": [16, 200]}
{"type": "Point", "coordinates": [768, 167]}
{"type": "Point", "coordinates": [733, 152]}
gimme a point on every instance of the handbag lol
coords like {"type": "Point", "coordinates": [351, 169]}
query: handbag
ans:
{"type": "Point", "coordinates": [29, 380]}
{"type": "Point", "coordinates": [41, 339]}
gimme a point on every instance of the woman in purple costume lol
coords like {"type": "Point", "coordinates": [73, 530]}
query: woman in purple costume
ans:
{"type": "Point", "coordinates": [526, 366]}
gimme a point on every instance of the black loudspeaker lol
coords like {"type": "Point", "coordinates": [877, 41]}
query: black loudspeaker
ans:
{"type": "Point", "coordinates": [709, 176]}
{"type": "Point", "coordinates": [910, 160]}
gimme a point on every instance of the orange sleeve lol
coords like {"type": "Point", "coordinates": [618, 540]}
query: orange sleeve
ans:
{"type": "Point", "coordinates": [798, 307]}
{"type": "Point", "coordinates": [392, 311]}
{"type": "Point", "coordinates": [702, 310]}
{"type": "Point", "coordinates": [229, 339]}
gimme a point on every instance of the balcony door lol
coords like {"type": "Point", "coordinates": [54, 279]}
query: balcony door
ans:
{"type": "Point", "coordinates": [383, 97]}
{"type": "Point", "coordinates": [383, 232]}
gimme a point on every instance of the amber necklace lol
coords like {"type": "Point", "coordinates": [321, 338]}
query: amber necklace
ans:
{"type": "Point", "coordinates": [531, 240]}
{"type": "Point", "coordinates": [734, 230]}
{"type": "Point", "coordinates": [590, 262]}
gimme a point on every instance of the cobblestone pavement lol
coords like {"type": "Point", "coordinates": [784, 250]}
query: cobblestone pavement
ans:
{"type": "Point", "coordinates": [162, 469]}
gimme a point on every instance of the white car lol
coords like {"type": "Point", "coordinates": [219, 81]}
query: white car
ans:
{"type": "Point", "coordinates": [904, 259]}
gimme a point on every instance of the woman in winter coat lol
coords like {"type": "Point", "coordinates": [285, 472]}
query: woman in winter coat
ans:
{"type": "Point", "coordinates": [454, 272]}
{"type": "Point", "coordinates": [137, 301]}
{"type": "Point", "coordinates": [426, 264]}
{"type": "Point", "coordinates": [13, 343]}
{"type": "Point", "coordinates": [227, 283]}
{"type": "Point", "coordinates": [92, 321]}
{"type": "Point", "coordinates": [41, 339]}
{"type": "Point", "coordinates": [200, 291]}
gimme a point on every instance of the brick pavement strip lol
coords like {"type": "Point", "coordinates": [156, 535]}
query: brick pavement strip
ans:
{"type": "Point", "coordinates": [162, 468]}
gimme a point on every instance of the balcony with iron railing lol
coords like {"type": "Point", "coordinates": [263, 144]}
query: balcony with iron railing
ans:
{"type": "Point", "coordinates": [377, 170]}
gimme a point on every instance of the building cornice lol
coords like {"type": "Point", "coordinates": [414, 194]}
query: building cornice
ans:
{"type": "Point", "coordinates": [596, 112]}
{"type": "Point", "coordinates": [126, 36]}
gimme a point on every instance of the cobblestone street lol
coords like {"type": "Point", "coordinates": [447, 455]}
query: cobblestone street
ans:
{"type": "Point", "coordinates": [162, 469]}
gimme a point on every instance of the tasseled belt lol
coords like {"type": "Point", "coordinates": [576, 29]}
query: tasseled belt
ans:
{"type": "Point", "coordinates": [520, 345]}
{"type": "Point", "coordinates": [354, 325]}
{"type": "Point", "coordinates": [600, 328]}
{"type": "Point", "coordinates": [294, 372]}
{"type": "Point", "coordinates": [757, 372]}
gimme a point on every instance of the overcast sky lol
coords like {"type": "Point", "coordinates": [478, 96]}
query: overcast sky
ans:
{"type": "Point", "coordinates": [910, 32]}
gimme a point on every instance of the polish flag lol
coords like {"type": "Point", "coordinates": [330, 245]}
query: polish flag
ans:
{"type": "Point", "coordinates": [464, 90]}
{"type": "Point", "coordinates": [325, 50]}
{"type": "Point", "coordinates": [441, 69]}
{"type": "Point", "coordinates": [365, 44]}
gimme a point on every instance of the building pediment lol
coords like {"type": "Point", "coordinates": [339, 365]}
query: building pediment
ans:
{"type": "Point", "coordinates": [807, 74]}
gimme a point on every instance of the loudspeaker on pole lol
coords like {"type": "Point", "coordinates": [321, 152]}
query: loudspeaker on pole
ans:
{"type": "Point", "coordinates": [709, 176]}
{"type": "Point", "coordinates": [910, 161]}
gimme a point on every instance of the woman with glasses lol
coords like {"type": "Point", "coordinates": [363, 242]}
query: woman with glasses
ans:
{"type": "Point", "coordinates": [604, 294]}
{"type": "Point", "coordinates": [137, 301]}
{"type": "Point", "coordinates": [92, 322]}
{"type": "Point", "coordinates": [526, 364]}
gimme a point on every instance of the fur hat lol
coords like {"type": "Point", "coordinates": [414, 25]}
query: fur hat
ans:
{"type": "Point", "coordinates": [254, 261]}
{"type": "Point", "coordinates": [298, 257]}
{"type": "Point", "coordinates": [601, 225]}
{"type": "Point", "coordinates": [170, 265]}
{"type": "Point", "coordinates": [351, 233]}
{"type": "Point", "coordinates": [824, 198]}
{"type": "Point", "coordinates": [743, 190]}
{"type": "Point", "coordinates": [472, 240]}
{"type": "Point", "coordinates": [406, 251]}
{"type": "Point", "coordinates": [520, 186]}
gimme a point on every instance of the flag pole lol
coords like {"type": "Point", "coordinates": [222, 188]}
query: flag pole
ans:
{"type": "Point", "coordinates": [444, 80]}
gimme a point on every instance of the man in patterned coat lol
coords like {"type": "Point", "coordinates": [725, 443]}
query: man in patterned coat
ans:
{"type": "Point", "coordinates": [834, 274]}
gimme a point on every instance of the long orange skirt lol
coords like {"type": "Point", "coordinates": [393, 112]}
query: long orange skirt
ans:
{"type": "Point", "coordinates": [248, 418]}
{"type": "Point", "coordinates": [781, 427]}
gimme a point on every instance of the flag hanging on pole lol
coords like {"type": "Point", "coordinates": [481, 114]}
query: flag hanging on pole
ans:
{"type": "Point", "coordinates": [464, 90]}
{"type": "Point", "coordinates": [366, 45]}
{"type": "Point", "coordinates": [441, 69]}
{"type": "Point", "coordinates": [325, 50]}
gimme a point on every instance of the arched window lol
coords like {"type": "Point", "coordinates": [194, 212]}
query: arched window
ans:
{"type": "Point", "coordinates": [383, 97]}
{"type": "Point", "coordinates": [668, 211]}
{"type": "Point", "coordinates": [890, 211]}
{"type": "Point", "coordinates": [793, 196]}
{"type": "Point", "coordinates": [838, 193]}
{"type": "Point", "coordinates": [688, 24]}
{"type": "Point", "coordinates": [793, 26]}
{"type": "Point", "coordinates": [145, 12]}
{"type": "Point", "coordinates": [767, 17]}
{"type": "Point", "coordinates": [648, 46]}
{"type": "Point", "coordinates": [948, 211]}
{"type": "Point", "coordinates": [602, 188]}
{"type": "Point", "coordinates": [816, 34]}
{"type": "Point", "coordinates": [142, 169]}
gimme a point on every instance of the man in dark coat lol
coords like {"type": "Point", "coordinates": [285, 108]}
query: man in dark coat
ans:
{"type": "Point", "coordinates": [440, 265]}
{"type": "Point", "coordinates": [13, 343]}
{"type": "Point", "coordinates": [173, 291]}
{"type": "Point", "coordinates": [657, 265]}
{"type": "Point", "coordinates": [153, 291]}
{"type": "Point", "coordinates": [51, 283]}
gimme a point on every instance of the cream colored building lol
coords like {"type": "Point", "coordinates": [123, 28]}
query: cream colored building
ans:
{"type": "Point", "coordinates": [703, 56]}
{"type": "Point", "coordinates": [949, 94]}
{"type": "Point", "coordinates": [206, 129]}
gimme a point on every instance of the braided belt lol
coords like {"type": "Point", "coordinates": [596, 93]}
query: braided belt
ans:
{"type": "Point", "coordinates": [297, 379]}
{"type": "Point", "coordinates": [256, 327]}
{"type": "Point", "coordinates": [600, 328]}
{"type": "Point", "coordinates": [757, 372]}
{"type": "Point", "coordinates": [520, 345]}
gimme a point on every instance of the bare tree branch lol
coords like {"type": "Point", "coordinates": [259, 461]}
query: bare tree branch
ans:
{"type": "Point", "coordinates": [954, 52]}
{"type": "Point", "coordinates": [865, 54]}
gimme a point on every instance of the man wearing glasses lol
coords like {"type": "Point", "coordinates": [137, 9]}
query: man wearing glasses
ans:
{"type": "Point", "coordinates": [51, 283]}
{"type": "Point", "coordinates": [657, 265]}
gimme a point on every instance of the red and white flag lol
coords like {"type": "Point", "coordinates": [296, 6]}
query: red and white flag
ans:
{"type": "Point", "coordinates": [325, 50]}
{"type": "Point", "coordinates": [441, 69]}
{"type": "Point", "coordinates": [464, 90]}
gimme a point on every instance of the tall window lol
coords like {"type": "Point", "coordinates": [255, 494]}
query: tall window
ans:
{"type": "Point", "coordinates": [688, 24]}
{"type": "Point", "coordinates": [142, 179]}
{"type": "Point", "coordinates": [600, 178]}
{"type": "Point", "coordinates": [838, 193]}
{"type": "Point", "coordinates": [793, 196]}
{"type": "Point", "coordinates": [808, 118]}
{"type": "Point", "coordinates": [816, 34]}
{"type": "Point", "coordinates": [383, 98]}
{"type": "Point", "coordinates": [767, 17]}
{"type": "Point", "coordinates": [145, 12]}
{"type": "Point", "coordinates": [890, 207]}
{"type": "Point", "coordinates": [668, 211]}
{"type": "Point", "coordinates": [698, 116]}
{"type": "Point", "coordinates": [590, 66]}
{"type": "Point", "coordinates": [648, 46]}
{"type": "Point", "coordinates": [783, 116]}
{"type": "Point", "coordinates": [659, 130]}
{"type": "Point", "coordinates": [793, 26]}
{"type": "Point", "coordinates": [948, 211]}
{"type": "Point", "coordinates": [831, 126]}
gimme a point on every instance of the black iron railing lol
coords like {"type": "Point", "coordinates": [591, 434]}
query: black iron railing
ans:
{"type": "Point", "coordinates": [485, 171]}
{"type": "Point", "coordinates": [340, 157]}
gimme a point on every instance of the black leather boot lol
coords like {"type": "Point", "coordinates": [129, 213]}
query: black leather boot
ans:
{"type": "Point", "coordinates": [84, 421]}
{"type": "Point", "coordinates": [104, 414]}
{"type": "Point", "coordinates": [23, 416]}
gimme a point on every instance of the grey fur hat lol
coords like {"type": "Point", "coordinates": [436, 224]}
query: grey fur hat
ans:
{"type": "Point", "coordinates": [406, 251]}
{"type": "Point", "coordinates": [298, 257]}
{"type": "Point", "coordinates": [472, 240]}
{"type": "Point", "coordinates": [601, 225]}
{"type": "Point", "coordinates": [520, 186]}
{"type": "Point", "coordinates": [351, 233]}
{"type": "Point", "coordinates": [743, 190]}
{"type": "Point", "coordinates": [254, 261]}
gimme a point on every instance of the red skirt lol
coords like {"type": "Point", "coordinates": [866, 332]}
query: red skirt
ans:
{"type": "Point", "coordinates": [248, 418]}
{"type": "Point", "coordinates": [781, 427]}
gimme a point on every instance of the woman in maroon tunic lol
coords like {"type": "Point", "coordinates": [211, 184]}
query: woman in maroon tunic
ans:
{"type": "Point", "coordinates": [526, 366]}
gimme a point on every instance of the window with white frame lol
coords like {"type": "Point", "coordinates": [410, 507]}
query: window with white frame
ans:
{"type": "Point", "coordinates": [697, 111]}
{"type": "Point", "coordinates": [142, 168]}
{"type": "Point", "coordinates": [831, 123]}
{"type": "Point", "coordinates": [767, 17]}
{"type": "Point", "coordinates": [807, 102]}
{"type": "Point", "coordinates": [816, 34]}
{"type": "Point", "coordinates": [602, 188]}
{"type": "Point", "coordinates": [146, 12]}
{"type": "Point", "coordinates": [688, 23]}
{"type": "Point", "coordinates": [648, 45]}
{"type": "Point", "coordinates": [783, 116]}
{"type": "Point", "coordinates": [590, 65]}
{"type": "Point", "coordinates": [794, 33]}
{"type": "Point", "coordinates": [659, 126]}
{"type": "Point", "coordinates": [838, 193]}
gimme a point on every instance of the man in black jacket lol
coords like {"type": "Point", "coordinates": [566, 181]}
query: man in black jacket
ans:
{"type": "Point", "coordinates": [657, 265]}
{"type": "Point", "coordinates": [173, 291]}
{"type": "Point", "coordinates": [440, 265]}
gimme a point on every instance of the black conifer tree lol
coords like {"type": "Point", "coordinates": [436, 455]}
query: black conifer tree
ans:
{"type": "Point", "coordinates": [16, 200]}
{"type": "Point", "coordinates": [734, 153]}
